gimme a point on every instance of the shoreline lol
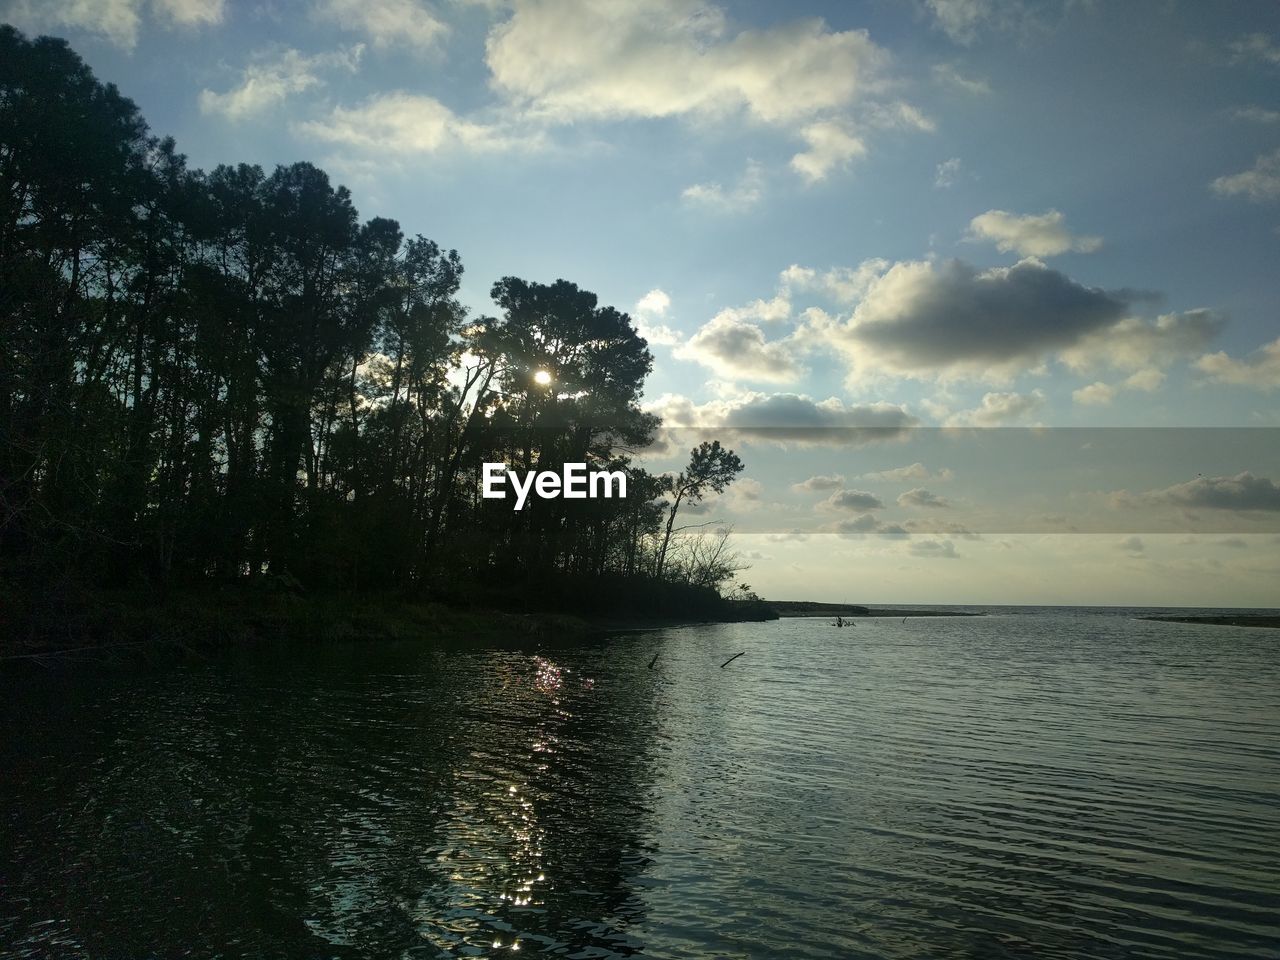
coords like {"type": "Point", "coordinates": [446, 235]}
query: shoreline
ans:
{"type": "Point", "coordinates": [97, 626]}
{"type": "Point", "coordinates": [1246, 620]}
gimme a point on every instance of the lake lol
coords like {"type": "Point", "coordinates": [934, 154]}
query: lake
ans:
{"type": "Point", "coordinates": [1031, 783]}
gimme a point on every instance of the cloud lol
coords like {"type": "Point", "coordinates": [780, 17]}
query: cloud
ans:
{"type": "Point", "coordinates": [1148, 380]}
{"type": "Point", "coordinates": [920, 497]}
{"type": "Point", "coordinates": [788, 417]}
{"type": "Point", "coordinates": [859, 527]}
{"type": "Point", "coordinates": [117, 21]}
{"type": "Point", "coordinates": [843, 285]}
{"type": "Point", "coordinates": [267, 83]}
{"type": "Point", "coordinates": [1260, 370]}
{"type": "Point", "coordinates": [734, 347]}
{"type": "Point", "coordinates": [1099, 394]}
{"type": "Point", "coordinates": [946, 173]}
{"type": "Point", "coordinates": [1094, 395]}
{"type": "Point", "coordinates": [921, 318]}
{"type": "Point", "coordinates": [914, 471]}
{"type": "Point", "coordinates": [650, 310]}
{"type": "Point", "coordinates": [406, 123]}
{"type": "Point", "coordinates": [946, 75]}
{"type": "Point", "coordinates": [998, 409]}
{"type": "Point", "coordinates": [1140, 345]}
{"type": "Point", "coordinates": [670, 58]}
{"type": "Point", "coordinates": [191, 13]}
{"type": "Point", "coordinates": [961, 19]}
{"type": "Point", "coordinates": [1030, 235]}
{"type": "Point", "coordinates": [1256, 114]}
{"type": "Point", "coordinates": [832, 145]}
{"type": "Point", "coordinates": [1242, 492]}
{"type": "Point", "coordinates": [387, 23]}
{"type": "Point", "coordinates": [817, 484]}
{"type": "Point", "coordinates": [1132, 546]}
{"type": "Point", "coordinates": [1260, 184]}
{"type": "Point", "coordinates": [1257, 47]}
{"type": "Point", "coordinates": [852, 500]}
{"type": "Point", "coordinates": [933, 549]}
{"type": "Point", "coordinates": [743, 195]}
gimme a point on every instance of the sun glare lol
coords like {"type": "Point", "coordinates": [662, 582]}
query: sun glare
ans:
{"type": "Point", "coordinates": [542, 378]}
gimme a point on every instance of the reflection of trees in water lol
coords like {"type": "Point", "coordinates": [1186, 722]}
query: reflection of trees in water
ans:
{"type": "Point", "coordinates": [449, 801]}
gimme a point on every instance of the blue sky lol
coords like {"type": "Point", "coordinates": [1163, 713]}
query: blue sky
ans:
{"type": "Point", "coordinates": [918, 212]}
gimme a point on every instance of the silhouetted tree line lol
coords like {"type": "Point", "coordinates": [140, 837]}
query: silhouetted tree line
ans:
{"type": "Point", "coordinates": [227, 375]}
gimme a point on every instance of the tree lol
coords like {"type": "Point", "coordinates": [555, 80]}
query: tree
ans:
{"type": "Point", "coordinates": [711, 469]}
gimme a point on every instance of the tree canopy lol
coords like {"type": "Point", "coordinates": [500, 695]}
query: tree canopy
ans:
{"type": "Point", "coordinates": [229, 375]}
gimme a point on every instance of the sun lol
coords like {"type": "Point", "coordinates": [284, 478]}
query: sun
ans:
{"type": "Point", "coordinates": [542, 378]}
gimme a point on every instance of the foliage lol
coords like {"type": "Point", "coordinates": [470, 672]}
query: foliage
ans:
{"type": "Point", "coordinates": [224, 376]}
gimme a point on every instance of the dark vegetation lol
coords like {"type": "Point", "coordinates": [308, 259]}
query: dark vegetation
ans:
{"type": "Point", "coordinates": [228, 379]}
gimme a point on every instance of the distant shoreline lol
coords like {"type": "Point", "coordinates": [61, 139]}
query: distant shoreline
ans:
{"type": "Point", "coordinates": [1223, 621]}
{"type": "Point", "coordinates": [805, 608]}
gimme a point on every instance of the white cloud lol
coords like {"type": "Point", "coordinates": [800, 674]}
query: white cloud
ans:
{"type": "Point", "coordinates": [947, 75]}
{"type": "Point", "coordinates": [1147, 380]}
{"type": "Point", "coordinates": [819, 483]}
{"type": "Point", "coordinates": [1256, 46]}
{"type": "Point", "coordinates": [1029, 235]}
{"type": "Point", "coordinates": [999, 409]}
{"type": "Point", "coordinates": [406, 123]}
{"type": "Point", "coordinates": [831, 146]}
{"type": "Point", "coordinates": [666, 58]}
{"type": "Point", "coordinates": [267, 83]}
{"type": "Point", "coordinates": [1260, 184]}
{"type": "Point", "coordinates": [387, 23]}
{"type": "Point", "coordinates": [961, 19]}
{"type": "Point", "coordinates": [1256, 114]}
{"type": "Point", "coordinates": [734, 347]}
{"type": "Point", "coordinates": [118, 21]}
{"type": "Point", "coordinates": [1141, 345]}
{"type": "Point", "coordinates": [844, 285]}
{"type": "Point", "coordinates": [650, 310]}
{"type": "Point", "coordinates": [743, 195]}
{"type": "Point", "coordinates": [1099, 394]}
{"type": "Point", "coordinates": [946, 173]}
{"type": "Point", "coordinates": [1260, 370]}
{"type": "Point", "coordinates": [1094, 395]}
{"type": "Point", "coordinates": [913, 471]}
{"type": "Point", "coordinates": [191, 12]}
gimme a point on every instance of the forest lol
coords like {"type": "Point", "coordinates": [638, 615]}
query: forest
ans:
{"type": "Point", "coordinates": [229, 377]}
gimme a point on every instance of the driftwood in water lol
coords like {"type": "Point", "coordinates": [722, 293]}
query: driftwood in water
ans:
{"type": "Point", "coordinates": [654, 660]}
{"type": "Point", "coordinates": [731, 659]}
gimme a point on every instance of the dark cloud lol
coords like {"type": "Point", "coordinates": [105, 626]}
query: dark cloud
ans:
{"type": "Point", "coordinates": [920, 497]}
{"type": "Point", "coordinates": [853, 500]}
{"type": "Point", "coordinates": [955, 314]}
{"type": "Point", "coordinates": [1244, 491]}
{"type": "Point", "coordinates": [859, 527]}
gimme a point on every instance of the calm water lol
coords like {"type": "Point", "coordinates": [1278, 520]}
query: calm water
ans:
{"type": "Point", "coordinates": [1045, 784]}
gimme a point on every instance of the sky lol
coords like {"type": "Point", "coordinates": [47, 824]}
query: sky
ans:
{"type": "Point", "coordinates": [858, 237]}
